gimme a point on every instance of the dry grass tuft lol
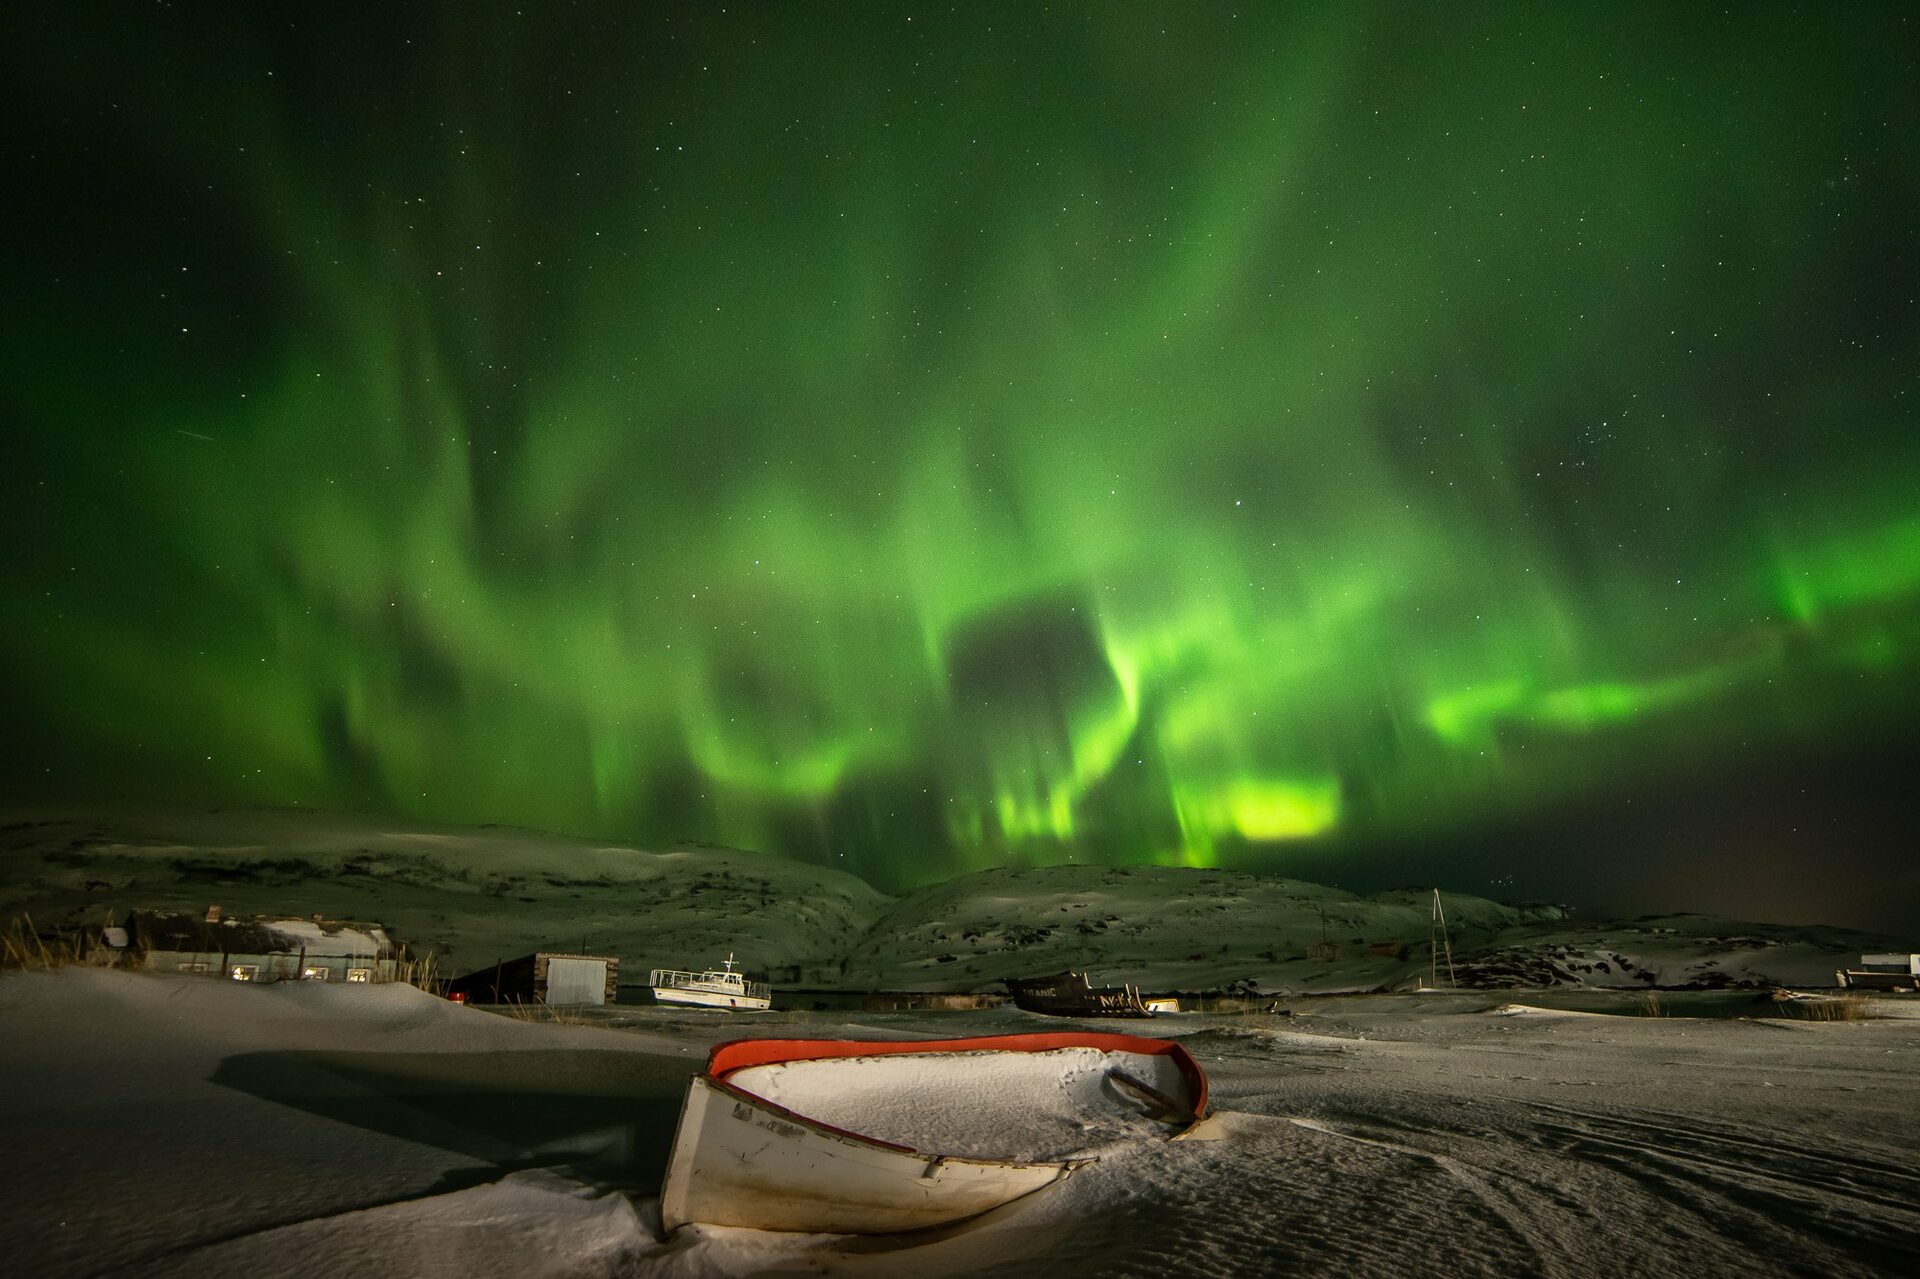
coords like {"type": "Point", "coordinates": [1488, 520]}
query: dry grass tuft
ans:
{"type": "Point", "coordinates": [23, 949]}
{"type": "Point", "coordinates": [1652, 1005]}
{"type": "Point", "coordinates": [1849, 1007]}
{"type": "Point", "coordinates": [423, 973]}
{"type": "Point", "coordinates": [538, 1012]}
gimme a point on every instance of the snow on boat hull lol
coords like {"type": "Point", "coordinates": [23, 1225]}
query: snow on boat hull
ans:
{"type": "Point", "coordinates": [742, 1160]}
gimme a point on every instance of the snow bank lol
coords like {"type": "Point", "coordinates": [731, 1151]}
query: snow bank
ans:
{"type": "Point", "coordinates": [531, 1224]}
{"type": "Point", "coordinates": [154, 1121]}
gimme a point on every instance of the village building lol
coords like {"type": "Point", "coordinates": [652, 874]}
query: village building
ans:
{"type": "Point", "coordinates": [556, 980]}
{"type": "Point", "coordinates": [260, 949]}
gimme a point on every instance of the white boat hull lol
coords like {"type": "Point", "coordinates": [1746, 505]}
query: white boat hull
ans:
{"type": "Point", "coordinates": [710, 999]}
{"type": "Point", "coordinates": [1874, 1006]}
{"type": "Point", "coordinates": [741, 1161]}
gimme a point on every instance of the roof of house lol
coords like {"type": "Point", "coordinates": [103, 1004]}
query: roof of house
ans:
{"type": "Point", "coordinates": [261, 935]}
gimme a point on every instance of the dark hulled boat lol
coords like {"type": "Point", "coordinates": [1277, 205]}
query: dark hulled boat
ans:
{"type": "Point", "coordinates": [1074, 995]}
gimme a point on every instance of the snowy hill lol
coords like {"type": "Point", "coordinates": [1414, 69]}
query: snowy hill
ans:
{"type": "Point", "coordinates": [477, 894]}
{"type": "Point", "coordinates": [1165, 929]}
{"type": "Point", "coordinates": [1693, 951]}
{"type": "Point", "coordinates": [472, 895]}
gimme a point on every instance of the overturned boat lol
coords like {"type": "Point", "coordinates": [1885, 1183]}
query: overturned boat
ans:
{"type": "Point", "coordinates": [833, 1136]}
{"type": "Point", "coordinates": [1074, 995]}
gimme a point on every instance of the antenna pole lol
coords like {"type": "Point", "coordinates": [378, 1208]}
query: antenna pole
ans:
{"type": "Point", "coordinates": [1440, 922]}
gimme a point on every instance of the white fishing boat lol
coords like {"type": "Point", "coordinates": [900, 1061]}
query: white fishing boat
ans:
{"type": "Point", "coordinates": [714, 988]}
{"type": "Point", "coordinates": [1851, 1005]}
{"type": "Point", "coordinates": [1882, 972]}
{"type": "Point", "coordinates": [845, 1137]}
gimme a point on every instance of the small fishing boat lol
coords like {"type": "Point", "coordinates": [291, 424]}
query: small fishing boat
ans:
{"type": "Point", "coordinates": [1850, 1005]}
{"type": "Point", "coordinates": [834, 1136]}
{"type": "Point", "coordinates": [1882, 972]}
{"type": "Point", "coordinates": [1074, 995]}
{"type": "Point", "coordinates": [714, 988]}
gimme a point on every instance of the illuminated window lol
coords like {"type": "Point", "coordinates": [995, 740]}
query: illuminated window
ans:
{"type": "Point", "coordinates": [246, 972]}
{"type": "Point", "coordinates": [360, 974]}
{"type": "Point", "coordinates": [313, 973]}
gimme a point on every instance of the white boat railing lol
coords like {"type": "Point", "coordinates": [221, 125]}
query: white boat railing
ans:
{"type": "Point", "coordinates": [712, 980]}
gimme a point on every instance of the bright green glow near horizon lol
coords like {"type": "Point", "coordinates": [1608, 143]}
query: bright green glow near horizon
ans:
{"type": "Point", "coordinates": [1008, 437]}
{"type": "Point", "coordinates": [1255, 810]}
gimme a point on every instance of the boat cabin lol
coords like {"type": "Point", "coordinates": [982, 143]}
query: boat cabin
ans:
{"type": "Point", "coordinates": [722, 987]}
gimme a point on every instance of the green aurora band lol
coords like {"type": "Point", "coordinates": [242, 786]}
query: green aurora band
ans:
{"type": "Point", "coordinates": [1129, 434]}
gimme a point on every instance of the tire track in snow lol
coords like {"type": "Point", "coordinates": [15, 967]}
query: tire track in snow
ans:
{"type": "Point", "coordinates": [1861, 1208]}
{"type": "Point", "coordinates": [1276, 1197]}
{"type": "Point", "coordinates": [1882, 1182]}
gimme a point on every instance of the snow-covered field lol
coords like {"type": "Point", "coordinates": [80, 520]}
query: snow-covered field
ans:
{"type": "Point", "coordinates": [192, 1127]}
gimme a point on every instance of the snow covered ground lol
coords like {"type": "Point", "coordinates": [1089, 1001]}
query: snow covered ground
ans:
{"type": "Point", "coordinates": [192, 1127]}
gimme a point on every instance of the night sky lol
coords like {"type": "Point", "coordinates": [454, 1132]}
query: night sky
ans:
{"type": "Point", "coordinates": [1391, 445]}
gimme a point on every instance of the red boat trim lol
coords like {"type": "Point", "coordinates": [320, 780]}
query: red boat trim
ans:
{"type": "Point", "coordinates": [742, 1053]}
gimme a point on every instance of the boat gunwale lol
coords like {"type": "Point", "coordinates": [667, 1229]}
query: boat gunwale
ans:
{"type": "Point", "coordinates": [740, 1054]}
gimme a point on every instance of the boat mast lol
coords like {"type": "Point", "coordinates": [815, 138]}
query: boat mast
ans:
{"type": "Point", "coordinates": [1437, 937]}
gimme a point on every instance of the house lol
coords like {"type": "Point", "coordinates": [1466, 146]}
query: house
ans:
{"type": "Point", "coordinates": [556, 980]}
{"type": "Point", "coordinates": [264, 948]}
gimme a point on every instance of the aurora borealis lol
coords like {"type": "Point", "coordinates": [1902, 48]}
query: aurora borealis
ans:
{"type": "Point", "coordinates": [921, 440]}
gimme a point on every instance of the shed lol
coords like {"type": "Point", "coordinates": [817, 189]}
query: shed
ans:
{"type": "Point", "coordinates": [261, 949]}
{"type": "Point", "coordinates": [544, 977]}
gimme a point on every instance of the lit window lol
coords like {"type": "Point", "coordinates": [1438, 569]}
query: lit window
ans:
{"type": "Point", "coordinates": [246, 972]}
{"type": "Point", "coordinates": [313, 973]}
{"type": "Point", "coordinates": [360, 974]}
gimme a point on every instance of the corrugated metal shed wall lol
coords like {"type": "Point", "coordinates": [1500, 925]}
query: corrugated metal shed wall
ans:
{"type": "Point", "coordinates": [573, 981]}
